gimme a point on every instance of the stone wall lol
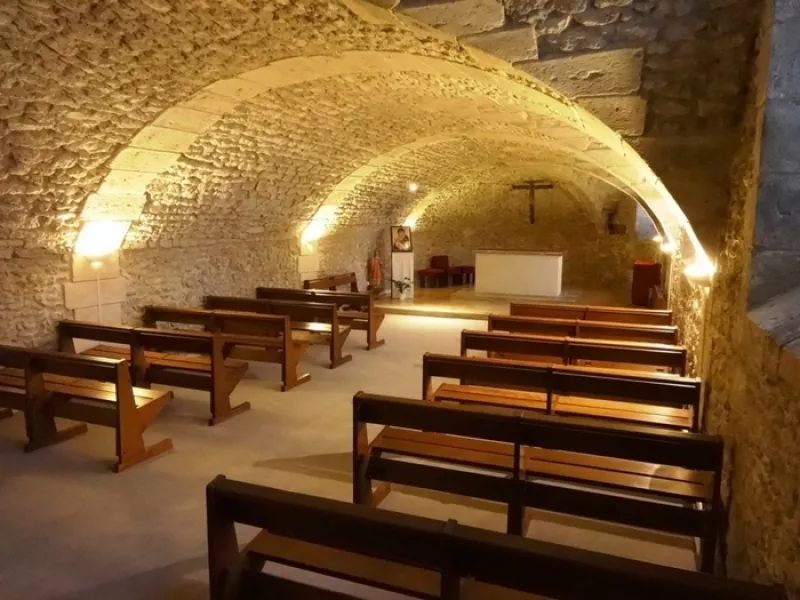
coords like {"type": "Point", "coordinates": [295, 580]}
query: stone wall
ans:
{"type": "Point", "coordinates": [182, 276]}
{"type": "Point", "coordinates": [32, 297]}
{"type": "Point", "coordinates": [567, 219]}
{"type": "Point", "coordinates": [752, 387]}
{"type": "Point", "coordinates": [348, 249]}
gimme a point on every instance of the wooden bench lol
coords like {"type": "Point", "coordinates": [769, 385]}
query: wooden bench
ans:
{"type": "Point", "coordinates": [44, 385]}
{"type": "Point", "coordinates": [623, 332]}
{"type": "Point", "coordinates": [188, 359]}
{"type": "Point", "coordinates": [616, 314]}
{"type": "Point", "coordinates": [574, 351]}
{"type": "Point", "coordinates": [654, 399]}
{"type": "Point", "coordinates": [616, 472]}
{"type": "Point", "coordinates": [261, 338]}
{"type": "Point", "coordinates": [314, 322]}
{"type": "Point", "coordinates": [332, 282]}
{"type": "Point", "coordinates": [355, 309]}
{"type": "Point", "coordinates": [417, 557]}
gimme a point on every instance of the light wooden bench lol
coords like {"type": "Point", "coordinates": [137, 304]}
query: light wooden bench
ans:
{"type": "Point", "coordinates": [624, 332]}
{"type": "Point", "coordinates": [332, 282]}
{"type": "Point", "coordinates": [44, 385]}
{"type": "Point", "coordinates": [646, 398]}
{"type": "Point", "coordinates": [314, 322]}
{"type": "Point", "coordinates": [616, 314]}
{"type": "Point", "coordinates": [416, 557]}
{"type": "Point", "coordinates": [260, 338]}
{"type": "Point", "coordinates": [355, 309]}
{"type": "Point", "coordinates": [627, 474]}
{"type": "Point", "coordinates": [575, 351]}
{"type": "Point", "coordinates": [187, 359]}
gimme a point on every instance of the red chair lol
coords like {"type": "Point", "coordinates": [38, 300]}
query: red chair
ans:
{"type": "Point", "coordinates": [443, 263]}
{"type": "Point", "coordinates": [424, 274]}
{"type": "Point", "coordinates": [468, 275]}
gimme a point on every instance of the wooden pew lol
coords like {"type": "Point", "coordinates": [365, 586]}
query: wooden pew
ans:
{"type": "Point", "coordinates": [646, 398]}
{"type": "Point", "coordinates": [624, 332]}
{"type": "Point", "coordinates": [574, 351]}
{"type": "Point", "coordinates": [332, 282]}
{"type": "Point", "coordinates": [316, 322]}
{"type": "Point", "coordinates": [418, 557]}
{"type": "Point", "coordinates": [189, 359]}
{"type": "Point", "coordinates": [261, 338]}
{"type": "Point", "coordinates": [45, 385]}
{"type": "Point", "coordinates": [627, 474]}
{"type": "Point", "coordinates": [616, 314]}
{"type": "Point", "coordinates": [355, 309]}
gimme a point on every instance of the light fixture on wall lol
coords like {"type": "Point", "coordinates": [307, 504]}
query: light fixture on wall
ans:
{"type": "Point", "coordinates": [97, 240]}
{"type": "Point", "coordinates": [668, 247]}
{"type": "Point", "coordinates": [410, 221]}
{"type": "Point", "coordinates": [319, 224]}
{"type": "Point", "coordinates": [101, 238]}
{"type": "Point", "coordinates": [658, 238]}
{"type": "Point", "coordinates": [413, 187]}
{"type": "Point", "coordinates": [701, 271]}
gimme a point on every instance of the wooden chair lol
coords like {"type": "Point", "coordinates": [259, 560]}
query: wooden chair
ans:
{"type": "Point", "coordinates": [356, 309]}
{"type": "Point", "coordinates": [613, 355]}
{"type": "Point", "coordinates": [260, 338]}
{"type": "Point", "coordinates": [623, 332]}
{"type": "Point", "coordinates": [189, 359]}
{"type": "Point", "coordinates": [314, 322]}
{"type": "Point", "coordinates": [332, 282]}
{"type": "Point", "coordinates": [627, 474]}
{"type": "Point", "coordinates": [583, 312]}
{"type": "Point", "coordinates": [417, 557]}
{"type": "Point", "coordinates": [44, 385]}
{"type": "Point", "coordinates": [653, 399]}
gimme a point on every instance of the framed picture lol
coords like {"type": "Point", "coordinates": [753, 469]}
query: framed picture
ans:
{"type": "Point", "coordinates": [401, 239]}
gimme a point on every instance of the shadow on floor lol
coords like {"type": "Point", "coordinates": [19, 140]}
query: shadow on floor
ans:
{"type": "Point", "coordinates": [184, 580]}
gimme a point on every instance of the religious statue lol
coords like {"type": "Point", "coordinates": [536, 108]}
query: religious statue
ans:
{"type": "Point", "coordinates": [375, 272]}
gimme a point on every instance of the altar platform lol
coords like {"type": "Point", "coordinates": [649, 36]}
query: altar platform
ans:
{"type": "Point", "coordinates": [464, 302]}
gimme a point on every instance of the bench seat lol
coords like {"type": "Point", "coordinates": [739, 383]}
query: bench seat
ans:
{"type": "Point", "coordinates": [557, 465]}
{"type": "Point", "coordinates": [568, 405]}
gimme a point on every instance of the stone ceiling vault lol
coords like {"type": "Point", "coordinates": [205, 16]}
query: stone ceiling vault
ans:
{"type": "Point", "coordinates": [270, 138]}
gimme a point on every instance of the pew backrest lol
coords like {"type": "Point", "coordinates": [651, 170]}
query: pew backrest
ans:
{"type": "Point", "coordinates": [68, 331]}
{"type": "Point", "coordinates": [56, 363]}
{"type": "Point", "coordinates": [676, 392]}
{"type": "Point", "coordinates": [332, 282]}
{"type": "Point", "coordinates": [630, 332]}
{"type": "Point", "coordinates": [464, 556]}
{"type": "Point", "coordinates": [567, 350]}
{"type": "Point", "coordinates": [362, 300]}
{"type": "Point", "coordinates": [301, 312]}
{"type": "Point", "coordinates": [220, 321]}
{"type": "Point", "coordinates": [642, 316]}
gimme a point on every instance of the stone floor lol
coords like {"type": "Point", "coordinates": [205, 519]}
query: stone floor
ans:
{"type": "Point", "coordinates": [70, 529]}
{"type": "Point", "coordinates": [464, 302]}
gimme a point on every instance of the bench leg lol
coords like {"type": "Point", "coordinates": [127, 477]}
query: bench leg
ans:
{"type": "Point", "coordinates": [373, 325]}
{"type": "Point", "coordinates": [221, 409]}
{"type": "Point", "coordinates": [130, 456]}
{"type": "Point", "coordinates": [291, 360]}
{"type": "Point", "coordinates": [42, 431]}
{"type": "Point", "coordinates": [336, 345]}
{"type": "Point", "coordinates": [224, 381]}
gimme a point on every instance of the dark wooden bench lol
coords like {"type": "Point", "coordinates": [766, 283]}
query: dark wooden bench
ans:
{"type": "Point", "coordinates": [616, 314]}
{"type": "Point", "coordinates": [261, 338]}
{"type": "Point", "coordinates": [355, 309]}
{"type": "Point", "coordinates": [616, 472]}
{"type": "Point", "coordinates": [332, 282]}
{"type": "Point", "coordinates": [44, 385]}
{"type": "Point", "coordinates": [188, 359]}
{"type": "Point", "coordinates": [574, 351]}
{"type": "Point", "coordinates": [417, 557]}
{"type": "Point", "coordinates": [315, 322]}
{"type": "Point", "coordinates": [646, 398]}
{"type": "Point", "coordinates": [624, 332]}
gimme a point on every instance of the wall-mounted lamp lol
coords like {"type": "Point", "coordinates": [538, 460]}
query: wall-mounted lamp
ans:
{"type": "Point", "coordinates": [701, 272]}
{"type": "Point", "coordinates": [101, 238]}
{"type": "Point", "coordinates": [410, 221]}
{"type": "Point", "coordinates": [668, 248]}
{"type": "Point", "coordinates": [658, 239]}
{"type": "Point", "coordinates": [413, 187]}
{"type": "Point", "coordinates": [316, 228]}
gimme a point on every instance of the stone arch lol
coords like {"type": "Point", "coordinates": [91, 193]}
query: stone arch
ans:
{"type": "Point", "coordinates": [158, 145]}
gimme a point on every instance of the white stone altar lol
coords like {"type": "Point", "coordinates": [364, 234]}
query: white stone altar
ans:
{"type": "Point", "coordinates": [518, 273]}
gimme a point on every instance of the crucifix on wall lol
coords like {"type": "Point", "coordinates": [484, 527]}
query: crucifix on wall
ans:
{"type": "Point", "coordinates": [532, 185]}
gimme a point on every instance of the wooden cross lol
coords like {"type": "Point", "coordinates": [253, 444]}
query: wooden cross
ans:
{"type": "Point", "coordinates": [532, 185]}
